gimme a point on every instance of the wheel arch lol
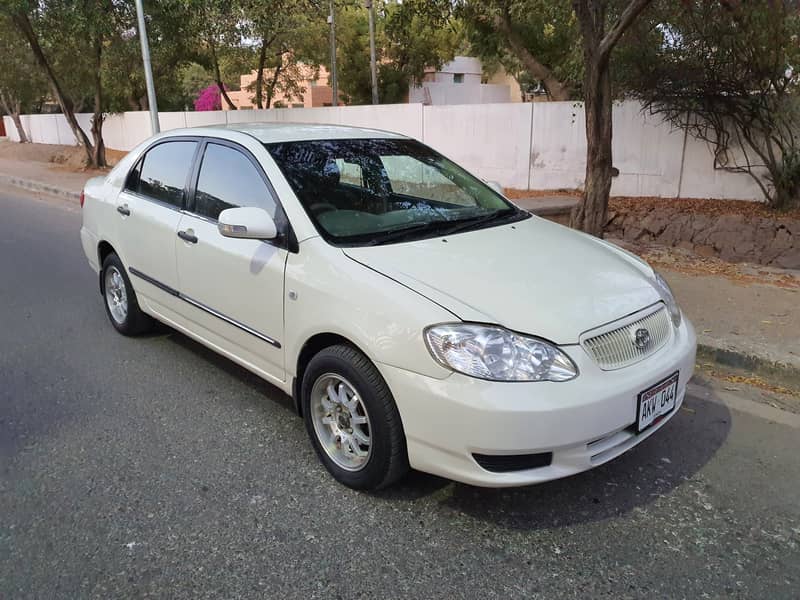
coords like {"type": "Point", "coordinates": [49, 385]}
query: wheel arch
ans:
{"type": "Point", "coordinates": [311, 347]}
{"type": "Point", "coordinates": [104, 248]}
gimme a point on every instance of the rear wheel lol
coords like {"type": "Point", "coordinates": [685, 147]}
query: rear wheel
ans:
{"type": "Point", "coordinates": [121, 304]}
{"type": "Point", "coordinates": [352, 419]}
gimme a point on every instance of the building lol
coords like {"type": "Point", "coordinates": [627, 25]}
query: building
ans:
{"type": "Point", "coordinates": [313, 86]}
{"type": "Point", "coordinates": [461, 81]}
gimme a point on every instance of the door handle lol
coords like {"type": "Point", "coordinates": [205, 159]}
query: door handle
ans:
{"type": "Point", "coordinates": [187, 237]}
{"type": "Point", "coordinates": [124, 210]}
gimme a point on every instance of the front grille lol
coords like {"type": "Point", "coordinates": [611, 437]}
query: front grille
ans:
{"type": "Point", "coordinates": [505, 463]}
{"type": "Point", "coordinates": [618, 347]}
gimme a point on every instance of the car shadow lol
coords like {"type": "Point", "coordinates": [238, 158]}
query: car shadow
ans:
{"type": "Point", "coordinates": [237, 372]}
{"type": "Point", "coordinates": [653, 469]}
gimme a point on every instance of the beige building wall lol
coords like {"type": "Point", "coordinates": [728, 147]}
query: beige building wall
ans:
{"type": "Point", "coordinates": [314, 89]}
{"type": "Point", "coordinates": [500, 77]}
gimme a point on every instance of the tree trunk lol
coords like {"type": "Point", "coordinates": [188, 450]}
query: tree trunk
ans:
{"type": "Point", "coordinates": [273, 83]}
{"type": "Point", "coordinates": [218, 78]}
{"type": "Point", "coordinates": [24, 25]}
{"type": "Point", "coordinates": [23, 137]}
{"type": "Point", "coordinates": [12, 107]}
{"type": "Point", "coordinates": [590, 214]}
{"type": "Point", "coordinates": [262, 60]}
{"type": "Point", "coordinates": [99, 152]}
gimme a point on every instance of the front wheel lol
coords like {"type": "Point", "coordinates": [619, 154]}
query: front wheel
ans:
{"type": "Point", "coordinates": [352, 419]}
{"type": "Point", "coordinates": [121, 304]}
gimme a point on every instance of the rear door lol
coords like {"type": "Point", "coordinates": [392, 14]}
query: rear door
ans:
{"type": "Point", "coordinates": [149, 210]}
{"type": "Point", "coordinates": [234, 287]}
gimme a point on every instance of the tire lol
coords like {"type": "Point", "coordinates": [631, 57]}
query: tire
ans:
{"type": "Point", "coordinates": [348, 370]}
{"type": "Point", "coordinates": [120, 301]}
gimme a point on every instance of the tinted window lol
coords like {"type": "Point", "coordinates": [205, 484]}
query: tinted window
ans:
{"type": "Point", "coordinates": [227, 180]}
{"type": "Point", "coordinates": [164, 171]}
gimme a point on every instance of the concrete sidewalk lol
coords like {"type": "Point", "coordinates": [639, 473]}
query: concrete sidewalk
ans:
{"type": "Point", "coordinates": [754, 326]}
{"type": "Point", "coordinates": [748, 325]}
{"type": "Point", "coordinates": [47, 178]}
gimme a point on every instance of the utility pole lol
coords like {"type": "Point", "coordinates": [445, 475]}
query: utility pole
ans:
{"type": "Point", "coordinates": [334, 83]}
{"type": "Point", "coordinates": [369, 6]}
{"type": "Point", "coordinates": [148, 69]}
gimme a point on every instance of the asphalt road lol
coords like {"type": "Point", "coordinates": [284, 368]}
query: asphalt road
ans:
{"type": "Point", "coordinates": [153, 468]}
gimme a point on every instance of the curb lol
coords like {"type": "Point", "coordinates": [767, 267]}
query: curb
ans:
{"type": "Point", "coordinates": [738, 359]}
{"type": "Point", "coordinates": [38, 186]}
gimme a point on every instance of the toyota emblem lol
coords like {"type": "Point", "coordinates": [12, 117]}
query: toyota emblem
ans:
{"type": "Point", "coordinates": [641, 339]}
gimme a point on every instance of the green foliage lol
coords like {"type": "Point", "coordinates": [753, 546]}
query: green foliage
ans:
{"type": "Point", "coordinates": [727, 73]}
{"type": "Point", "coordinates": [21, 82]}
{"type": "Point", "coordinates": [194, 78]}
{"type": "Point", "coordinates": [548, 30]}
{"type": "Point", "coordinates": [409, 37]}
{"type": "Point", "coordinates": [785, 180]}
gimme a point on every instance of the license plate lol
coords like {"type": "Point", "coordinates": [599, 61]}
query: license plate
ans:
{"type": "Point", "coordinates": [656, 401]}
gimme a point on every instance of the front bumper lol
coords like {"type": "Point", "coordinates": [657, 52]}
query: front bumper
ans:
{"type": "Point", "coordinates": [584, 422]}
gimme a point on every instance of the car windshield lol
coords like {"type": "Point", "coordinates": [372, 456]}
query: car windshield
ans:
{"type": "Point", "coordinates": [376, 191]}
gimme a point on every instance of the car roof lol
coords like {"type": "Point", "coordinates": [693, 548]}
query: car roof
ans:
{"type": "Point", "coordinates": [289, 132]}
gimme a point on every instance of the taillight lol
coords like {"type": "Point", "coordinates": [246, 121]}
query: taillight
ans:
{"type": "Point", "coordinates": [83, 197]}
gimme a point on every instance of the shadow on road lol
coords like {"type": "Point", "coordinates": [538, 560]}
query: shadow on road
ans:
{"type": "Point", "coordinates": [654, 468]}
{"type": "Point", "coordinates": [237, 372]}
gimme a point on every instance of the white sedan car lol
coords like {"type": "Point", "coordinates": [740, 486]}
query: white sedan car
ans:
{"type": "Point", "coordinates": [416, 316]}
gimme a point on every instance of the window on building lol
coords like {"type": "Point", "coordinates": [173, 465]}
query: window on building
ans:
{"type": "Point", "coordinates": [458, 78]}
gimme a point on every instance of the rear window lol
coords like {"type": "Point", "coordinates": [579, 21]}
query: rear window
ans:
{"type": "Point", "coordinates": [163, 172]}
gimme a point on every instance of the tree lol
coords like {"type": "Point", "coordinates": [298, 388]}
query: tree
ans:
{"type": "Point", "coordinates": [20, 82]}
{"type": "Point", "coordinates": [541, 37]}
{"type": "Point", "coordinates": [219, 27]}
{"type": "Point", "coordinates": [409, 37]}
{"type": "Point", "coordinates": [72, 46]}
{"type": "Point", "coordinates": [173, 48]}
{"type": "Point", "coordinates": [538, 37]}
{"type": "Point", "coordinates": [26, 16]}
{"type": "Point", "coordinates": [726, 72]}
{"type": "Point", "coordinates": [284, 31]}
{"type": "Point", "coordinates": [599, 40]}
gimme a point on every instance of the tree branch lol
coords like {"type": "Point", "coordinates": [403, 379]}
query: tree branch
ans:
{"type": "Point", "coordinates": [626, 19]}
{"type": "Point", "coordinates": [555, 87]}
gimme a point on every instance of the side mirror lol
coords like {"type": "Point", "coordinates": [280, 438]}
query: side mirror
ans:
{"type": "Point", "coordinates": [247, 222]}
{"type": "Point", "coordinates": [496, 187]}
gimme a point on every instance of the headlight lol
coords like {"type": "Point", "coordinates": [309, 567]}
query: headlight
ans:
{"type": "Point", "coordinates": [497, 354]}
{"type": "Point", "coordinates": [669, 299]}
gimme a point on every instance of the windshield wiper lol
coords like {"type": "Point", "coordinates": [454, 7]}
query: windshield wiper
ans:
{"type": "Point", "coordinates": [475, 222]}
{"type": "Point", "coordinates": [388, 235]}
{"type": "Point", "coordinates": [438, 227]}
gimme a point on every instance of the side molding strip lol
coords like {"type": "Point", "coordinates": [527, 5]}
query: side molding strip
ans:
{"type": "Point", "coordinates": [201, 306]}
{"type": "Point", "coordinates": [155, 282]}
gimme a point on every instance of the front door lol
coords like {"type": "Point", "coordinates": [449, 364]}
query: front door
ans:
{"type": "Point", "coordinates": [233, 287]}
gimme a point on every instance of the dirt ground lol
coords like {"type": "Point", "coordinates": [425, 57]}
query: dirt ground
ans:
{"type": "Point", "coordinates": [689, 263]}
{"type": "Point", "coordinates": [70, 158]}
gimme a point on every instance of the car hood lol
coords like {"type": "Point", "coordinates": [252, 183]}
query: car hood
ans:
{"type": "Point", "coordinates": [533, 276]}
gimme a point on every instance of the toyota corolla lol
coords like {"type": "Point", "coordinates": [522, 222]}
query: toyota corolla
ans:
{"type": "Point", "coordinates": [417, 317]}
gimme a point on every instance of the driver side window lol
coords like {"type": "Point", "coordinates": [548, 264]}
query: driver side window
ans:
{"type": "Point", "coordinates": [228, 179]}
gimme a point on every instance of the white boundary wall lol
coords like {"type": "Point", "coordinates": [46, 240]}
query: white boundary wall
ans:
{"type": "Point", "coordinates": [538, 145]}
